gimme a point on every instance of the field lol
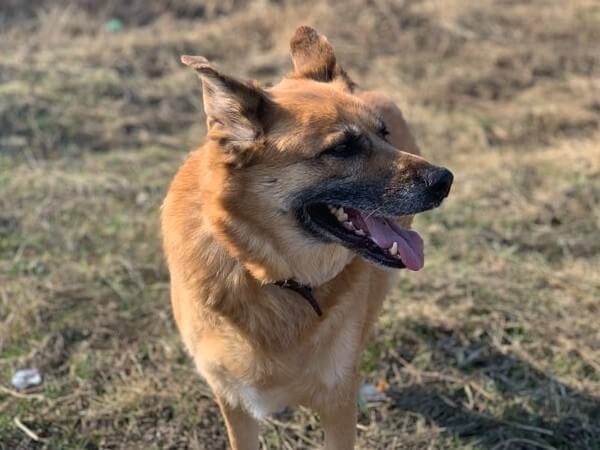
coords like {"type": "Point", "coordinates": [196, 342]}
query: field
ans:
{"type": "Point", "coordinates": [495, 345]}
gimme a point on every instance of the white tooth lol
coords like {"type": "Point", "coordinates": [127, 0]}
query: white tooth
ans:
{"type": "Point", "coordinates": [359, 232]}
{"type": "Point", "coordinates": [332, 209]}
{"type": "Point", "coordinates": [394, 249]}
{"type": "Point", "coordinates": [348, 226]}
{"type": "Point", "coordinates": [341, 215]}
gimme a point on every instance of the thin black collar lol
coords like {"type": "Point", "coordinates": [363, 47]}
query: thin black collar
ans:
{"type": "Point", "coordinates": [302, 289]}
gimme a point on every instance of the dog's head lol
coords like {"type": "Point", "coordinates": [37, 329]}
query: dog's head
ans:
{"type": "Point", "coordinates": [302, 175]}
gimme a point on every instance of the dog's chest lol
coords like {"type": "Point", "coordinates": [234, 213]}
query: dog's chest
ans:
{"type": "Point", "coordinates": [260, 402]}
{"type": "Point", "coordinates": [333, 363]}
{"type": "Point", "coordinates": [327, 363]}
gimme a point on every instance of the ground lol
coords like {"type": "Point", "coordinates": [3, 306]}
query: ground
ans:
{"type": "Point", "coordinates": [494, 345]}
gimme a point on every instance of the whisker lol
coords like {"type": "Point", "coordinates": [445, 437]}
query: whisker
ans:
{"type": "Point", "coordinates": [373, 212]}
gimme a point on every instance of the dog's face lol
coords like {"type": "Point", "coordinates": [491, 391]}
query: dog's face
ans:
{"type": "Point", "coordinates": [304, 175]}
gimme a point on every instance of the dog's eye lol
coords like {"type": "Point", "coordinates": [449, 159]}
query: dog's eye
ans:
{"type": "Point", "coordinates": [342, 151]}
{"type": "Point", "coordinates": [383, 131]}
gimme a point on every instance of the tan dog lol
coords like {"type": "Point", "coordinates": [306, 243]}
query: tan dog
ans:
{"type": "Point", "coordinates": [279, 234]}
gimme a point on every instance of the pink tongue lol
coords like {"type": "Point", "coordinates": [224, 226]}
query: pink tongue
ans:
{"type": "Point", "coordinates": [410, 244]}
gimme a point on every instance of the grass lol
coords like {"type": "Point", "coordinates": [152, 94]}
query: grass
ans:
{"type": "Point", "coordinates": [493, 346]}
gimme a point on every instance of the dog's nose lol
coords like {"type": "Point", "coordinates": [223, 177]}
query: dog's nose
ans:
{"type": "Point", "coordinates": [439, 180]}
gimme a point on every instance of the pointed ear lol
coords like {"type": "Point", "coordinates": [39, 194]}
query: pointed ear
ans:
{"type": "Point", "coordinates": [314, 58]}
{"type": "Point", "coordinates": [233, 108]}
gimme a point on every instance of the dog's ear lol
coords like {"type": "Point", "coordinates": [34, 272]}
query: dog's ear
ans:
{"type": "Point", "coordinates": [233, 108]}
{"type": "Point", "coordinates": [314, 58]}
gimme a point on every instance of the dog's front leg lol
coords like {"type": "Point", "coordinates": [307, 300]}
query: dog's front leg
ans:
{"type": "Point", "coordinates": [242, 428]}
{"type": "Point", "coordinates": [339, 423]}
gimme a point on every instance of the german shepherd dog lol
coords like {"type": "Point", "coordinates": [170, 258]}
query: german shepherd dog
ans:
{"type": "Point", "coordinates": [280, 233]}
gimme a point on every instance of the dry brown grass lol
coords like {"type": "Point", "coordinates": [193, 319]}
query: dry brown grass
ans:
{"type": "Point", "coordinates": [495, 345]}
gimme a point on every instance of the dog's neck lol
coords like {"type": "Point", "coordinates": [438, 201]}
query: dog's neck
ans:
{"type": "Point", "coordinates": [304, 290]}
{"type": "Point", "coordinates": [301, 291]}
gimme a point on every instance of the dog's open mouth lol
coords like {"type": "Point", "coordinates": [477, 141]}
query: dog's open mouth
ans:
{"type": "Point", "coordinates": [376, 238]}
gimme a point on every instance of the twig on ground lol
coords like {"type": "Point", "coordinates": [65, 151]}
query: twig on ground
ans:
{"type": "Point", "coordinates": [20, 394]}
{"type": "Point", "coordinates": [26, 430]}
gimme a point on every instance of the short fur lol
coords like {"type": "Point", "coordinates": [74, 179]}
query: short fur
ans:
{"type": "Point", "coordinates": [230, 231]}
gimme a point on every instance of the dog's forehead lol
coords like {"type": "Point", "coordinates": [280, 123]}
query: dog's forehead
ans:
{"type": "Point", "coordinates": [312, 103]}
{"type": "Point", "coordinates": [311, 115]}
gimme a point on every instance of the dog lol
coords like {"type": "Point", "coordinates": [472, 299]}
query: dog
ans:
{"type": "Point", "coordinates": [281, 234]}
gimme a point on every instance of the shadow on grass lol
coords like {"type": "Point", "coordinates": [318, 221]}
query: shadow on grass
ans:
{"type": "Point", "coordinates": [543, 412]}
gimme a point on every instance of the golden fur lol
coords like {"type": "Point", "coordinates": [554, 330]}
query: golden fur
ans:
{"type": "Point", "coordinates": [227, 237]}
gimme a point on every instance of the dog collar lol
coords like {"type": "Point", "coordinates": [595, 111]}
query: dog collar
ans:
{"type": "Point", "coordinates": [304, 290]}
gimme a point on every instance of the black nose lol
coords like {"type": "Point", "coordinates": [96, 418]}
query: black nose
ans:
{"type": "Point", "coordinates": [439, 181]}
